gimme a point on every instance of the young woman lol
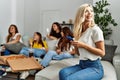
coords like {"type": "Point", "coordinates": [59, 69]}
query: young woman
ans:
{"type": "Point", "coordinates": [37, 45]}
{"type": "Point", "coordinates": [90, 42]}
{"type": "Point", "coordinates": [55, 32]}
{"type": "Point", "coordinates": [64, 49]}
{"type": "Point", "coordinates": [13, 37]}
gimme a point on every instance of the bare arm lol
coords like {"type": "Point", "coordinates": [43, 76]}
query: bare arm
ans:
{"type": "Point", "coordinates": [16, 40]}
{"type": "Point", "coordinates": [98, 50]}
{"type": "Point", "coordinates": [31, 43]}
{"type": "Point", "coordinates": [51, 37]}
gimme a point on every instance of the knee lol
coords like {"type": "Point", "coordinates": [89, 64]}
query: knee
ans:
{"type": "Point", "coordinates": [80, 77]}
{"type": "Point", "coordinates": [64, 75]}
{"type": "Point", "coordinates": [51, 52]}
{"type": "Point", "coordinates": [68, 55]}
{"type": "Point", "coordinates": [22, 51]}
{"type": "Point", "coordinates": [74, 77]}
{"type": "Point", "coordinates": [62, 72]}
{"type": "Point", "coordinates": [40, 52]}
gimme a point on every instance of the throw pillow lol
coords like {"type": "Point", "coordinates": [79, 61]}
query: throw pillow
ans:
{"type": "Point", "coordinates": [15, 47]}
{"type": "Point", "coordinates": [109, 52]}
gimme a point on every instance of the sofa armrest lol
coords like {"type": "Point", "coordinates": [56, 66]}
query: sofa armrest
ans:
{"type": "Point", "coordinates": [116, 63]}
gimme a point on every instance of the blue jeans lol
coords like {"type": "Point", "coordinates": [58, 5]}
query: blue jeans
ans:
{"type": "Point", "coordinates": [36, 52]}
{"type": "Point", "coordinates": [7, 52]}
{"type": "Point", "coordinates": [85, 70]}
{"type": "Point", "coordinates": [53, 55]}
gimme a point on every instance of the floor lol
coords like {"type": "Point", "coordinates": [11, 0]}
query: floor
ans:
{"type": "Point", "coordinates": [13, 76]}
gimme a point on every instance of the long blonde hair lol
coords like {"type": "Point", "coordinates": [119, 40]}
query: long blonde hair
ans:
{"type": "Point", "coordinates": [79, 20]}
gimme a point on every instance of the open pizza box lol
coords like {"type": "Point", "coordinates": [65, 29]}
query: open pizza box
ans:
{"type": "Point", "coordinates": [20, 62]}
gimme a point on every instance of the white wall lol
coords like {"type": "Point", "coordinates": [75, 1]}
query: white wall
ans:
{"type": "Point", "coordinates": [20, 15]}
{"type": "Point", "coordinates": [66, 9]}
{"type": "Point", "coordinates": [10, 13]}
{"type": "Point", "coordinates": [114, 9]}
{"type": "Point", "coordinates": [34, 10]}
{"type": "Point", "coordinates": [27, 14]}
{"type": "Point", "coordinates": [31, 16]}
{"type": "Point", "coordinates": [5, 18]}
{"type": "Point", "coordinates": [89, 1]}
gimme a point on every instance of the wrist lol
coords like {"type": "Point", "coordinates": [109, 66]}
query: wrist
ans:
{"type": "Point", "coordinates": [85, 46]}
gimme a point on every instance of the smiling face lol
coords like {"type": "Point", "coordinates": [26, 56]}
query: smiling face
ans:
{"type": "Point", "coordinates": [84, 18]}
{"type": "Point", "coordinates": [89, 14]}
{"type": "Point", "coordinates": [55, 27]}
{"type": "Point", "coordinates": [36, 37]}
{"type": "Point", "coordinates": [12, 29]}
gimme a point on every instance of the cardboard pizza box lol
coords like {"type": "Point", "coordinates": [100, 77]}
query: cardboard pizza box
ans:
{"type": "Point", "coordinates": [24, 64]}
{"type": "Point", "coordinates": [3, 59]}
{"type": "Point", "coordinates": [20, 62]}
{"type": "Point", "coordinates": [2, 63]}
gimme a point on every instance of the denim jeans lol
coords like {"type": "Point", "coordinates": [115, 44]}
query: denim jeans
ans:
{"type": "Point", "coordinates": [36, 52]}
{"type": "Point", "coordinates": [85, 70]}
{"type": "Point", "coordinates": [6, 52]}
{"type": "Point", "coordinates": [53, 55]}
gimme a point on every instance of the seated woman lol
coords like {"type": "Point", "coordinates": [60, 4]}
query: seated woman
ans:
{"type": "Point", "coordinates": [13, 37]}
{"type": "Point", "coordinates": [64, 49]}
{"type": "Point", "coordinates": [38, 46]}
{"type": "Point", "coordinates": [55, 32]}
{"type": "Point", "coordinates": [90, 43]}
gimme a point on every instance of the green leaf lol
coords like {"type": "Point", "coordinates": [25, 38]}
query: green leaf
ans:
{"type": "Point", "coordinates": [103, 17]}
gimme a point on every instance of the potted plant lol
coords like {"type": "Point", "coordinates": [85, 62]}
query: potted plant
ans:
{"type": "Point", "coordinates": [103, 17]}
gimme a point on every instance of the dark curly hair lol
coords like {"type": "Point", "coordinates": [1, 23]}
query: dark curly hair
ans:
{"type": "Point", "coordinates": [52, 32]}
{"type": "Point", "coordinates": [64, 43]}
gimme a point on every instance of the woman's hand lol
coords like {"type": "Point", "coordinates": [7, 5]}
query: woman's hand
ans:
{"type": "Point", "coordinates": [47, 35]}
{"type": "Point", "coordinates": [58, 51]}
{"type": "Point", "coordinates": [43, 48]}
{"type": "Point", "coordinates": [78, 44]}
{"type": "Point", "coordinates": [31, 44]}
{"type": "Point", "coordinates": [3, 47]}
{"type": "Point", "coordinates": [98, 50]}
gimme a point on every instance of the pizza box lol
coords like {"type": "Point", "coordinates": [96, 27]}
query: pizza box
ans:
{"type": "Point", "coordinates": [20, 62]}
{"type": "Point", "coordinates": [3, 59]}
{"type": "Point", "coordinates": [24, 64]}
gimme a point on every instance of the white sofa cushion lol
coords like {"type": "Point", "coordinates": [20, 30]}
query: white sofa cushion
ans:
{"type": "Point", "coordinates": [51, 44]}
{"type": "Point", "coordinates": [51, 72]}
{"type": "Point", "coordinates": [109, 71]}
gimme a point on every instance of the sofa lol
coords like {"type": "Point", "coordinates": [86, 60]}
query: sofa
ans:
{"type": "Point", "coordinates": [111, 65]}
{"type": "Point", "coordinates": [51, 72]}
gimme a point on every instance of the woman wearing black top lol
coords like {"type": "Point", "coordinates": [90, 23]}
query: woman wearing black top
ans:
{"type": "Point", "coordinates": [55, 32]}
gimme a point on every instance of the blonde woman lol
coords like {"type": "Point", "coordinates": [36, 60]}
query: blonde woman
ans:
{"type": "Point", "coordinates": [90, 42]}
